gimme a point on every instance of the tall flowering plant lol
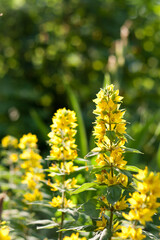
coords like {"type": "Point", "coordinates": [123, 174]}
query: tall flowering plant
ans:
{"type": "Point", "coordinates": [62, 154]}
{"type": "Point", "coordinates": [32, 167]}
{"type": "Point", "coordinates": [119, 197]}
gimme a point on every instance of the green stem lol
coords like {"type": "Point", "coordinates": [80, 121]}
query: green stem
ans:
{"type": "Point", "coordinates": [63, 201]}
{"type": "Point", "coordinates": [112, 173]}
{"type": "Point", "coordinates": [110, 223]}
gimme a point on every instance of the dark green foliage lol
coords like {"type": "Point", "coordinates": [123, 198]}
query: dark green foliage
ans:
{"type": "Point", "coordinates": [49, 45]}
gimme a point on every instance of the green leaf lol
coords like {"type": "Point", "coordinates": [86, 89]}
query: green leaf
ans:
{"type": "Point", "coordinates": [125, 172]}
{"type": "Point", "coordinates": [158, 156]}
{"type": "Point", "coordinates": [40, 203]}
{"type": "Point", "coordinates": [39, 123]}
{"type": "Point", "coordinates": [100, 168]}
{"type": "Point", "coordinates": [150, 235]}
{"type": "Point", "coordinates": [90, 208]}
{"type": "Point", "coordinates": [91, 154]}
{"type": "Point", "coordinates": [128, 136]}
{"type": "Point", "coordinates": [82, 136]}
{"type": "Point", "coordinates": [113, 194]}
{"type": "Point", "coordinates": [43, 221]}
{"type": "Point", "coordinates": [49, 226]}
{"type": "Point", "coordinates": [131, 150]}
{"type": "Point", "coordinates": [72, 212]}
{"type": "Point", "coordinates": [84, 187]}
{"type": "Point", "coordinates": [87, 228]}
{"type": "Point", "coordinates": [111, 135]}
{"type": "Point", "coordinates": [104, 235]}
{"type": "Point", "coordinates": [132, 168]}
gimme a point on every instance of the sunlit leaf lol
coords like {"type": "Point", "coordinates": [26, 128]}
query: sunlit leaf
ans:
{"type": "Point", "coordinates": [84, 187]}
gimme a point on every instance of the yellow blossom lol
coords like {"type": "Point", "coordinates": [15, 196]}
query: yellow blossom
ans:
{"type": "Point", "coordinates": [101, 224]}
{"type": "Point", "coordinates": [35, 196]}
{"type": "Point", "coordinates": [57, 202]}
{"type": "Point", "coordinates": [32, 159]}
{"type": "Point", "coordinates": [13, 157]}
{"type": "Point", "coordinates": [143, 202]}
{"type": "Point", "coordinates": [130, 232]}
{"type": "Point", "coordinates": [74, 237]}
{"type": "Point", "coordinates": [121, 204]}
{"type": "Point", "coordinates": [28, 141]}
{"type": "Point", "coordinates": [32, 179]}
{"type": "Point", "coordinates": [62, 135]}
{"type": "Point", "coordinates": [123, 179]}
{"type": "Point", "coordinates": [9, 141]}
{"type": "Point", "coordinates": [111, 179]}
{"type": "Point", "coordinates": [4, 233]}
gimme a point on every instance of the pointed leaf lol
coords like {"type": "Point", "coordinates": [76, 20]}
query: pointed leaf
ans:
{"type": "Point", "coordinates": [111, 135]}
{"type": "Point", "coordinates": [72, 212]}
{"type": "Point", "coordinates": [49, 226]}
{"type": "Point", "coordinates": [132, 168]}
{"type": "Point", "coordinates": [104, 235]}
{"type": "Point", "coordinates": [84, 187]}
{"type": "Point", "coordinates": [90, 208]}
{"type": "Point", "coordinates": [113, 194]}
{"type": "Point", "coordinates": [132, 150]}
{"type": "Point", "coordinates": [43, 221]}
{"type": "Point", "coordinates": [150, 235]}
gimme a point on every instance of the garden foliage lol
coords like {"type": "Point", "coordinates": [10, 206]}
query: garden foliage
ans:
{"type": "Point", "coordinates": [116, 201]}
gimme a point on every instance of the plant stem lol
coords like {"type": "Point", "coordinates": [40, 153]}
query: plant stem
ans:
{"type": "Point", "coordinates": [110, 223]}
{"type": "Point", "coordinates": [63, 201]}
{"type": "Point", "coordinates": [62, 216]}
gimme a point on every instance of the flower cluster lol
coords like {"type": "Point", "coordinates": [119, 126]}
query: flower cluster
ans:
{"type": "Point", "coordinates": [143, 204]}
{"type": "Point", "coordinates": [110, 135]}
{"type": "Point", "coordinates": [62, 135]}
{"type": "Point", "coordinates": [109, 128]}
{"type": "Point", "coordinates": [4, 232]}
{"type": "Point", "coordinates": [74, 237]}
{"type": "Point", "coordinates": [10, 144]}
{"type": "Point", "coordinates": [63, 153]}
{"type": "Point", "coordinates": [63, 150]}
{"type": "Point", "coordinates": [9, 141]}
{"type": "Point", "coordinates": [32, 166]}
{"type": "Point", "coordinates": [109, 132]}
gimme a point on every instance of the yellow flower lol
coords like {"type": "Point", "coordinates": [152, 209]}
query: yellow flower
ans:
{"type": "Point", "coordinates": [70, 183]}
{"type": "Point", "coordinates": [123, 179]}
{"type": "Point", "coordinates": [144, 202]}
{"type": "Point", "coordinates": [35, 196]}
{"type": "Point", "coordinates": [32, 159]}
{"type": "Point", "coordinates": [142, 174]}
{"type": "Point", "coordinates": [62, 134]}
{"type": "Point", "coordinates": [9, 141]}
{"type": "Point", "coordinates": [74, 237]}
{"type": "Point", "coordinates": [32, 179]}
{"type": "Point", "coordinates": [57, 202]}
{"type": "Point", "coordinates": [68, 168]}
{"type": "Point", "coordinates": [28, 141]}
{"type": "Point", "coordinates": [121, 204]}
{"type": "Point", "coordinates": [101, 178]}
{"type": "Point", "coordinates": [4, 233]}
{"type": "Point", "coordinates": [111, 180]}
{"type": "Point", "coordinates": [130, 232]}
{"type": "Point", "coordinates": [13, 157]}
{"type": "Point", "coordinates": [101, 224]}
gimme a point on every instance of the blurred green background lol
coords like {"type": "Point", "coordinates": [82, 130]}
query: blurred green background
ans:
{"type": "Point", "coordinates": [58, 53]}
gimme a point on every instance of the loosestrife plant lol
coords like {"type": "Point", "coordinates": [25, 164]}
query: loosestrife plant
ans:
{"type": "Point", "coordinates": [32, 167]}
{"type": "Point", "coordinates": [63, 153]}
{"type": "Point", "coordinates": [124, 201]}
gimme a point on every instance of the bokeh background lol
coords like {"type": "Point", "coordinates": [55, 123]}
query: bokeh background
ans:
{"type": "Point", "coordinates": [59, 53]}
